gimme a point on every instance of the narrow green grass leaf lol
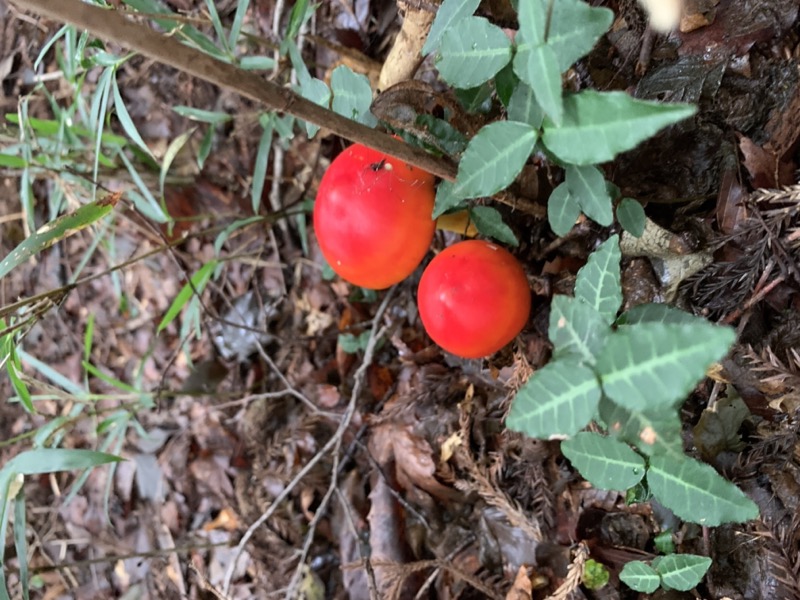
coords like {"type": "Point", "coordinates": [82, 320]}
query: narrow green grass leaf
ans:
{"type": "Point", "coordinates": [558, 400]}
{"type": "Point", "coordinates": [112, 381]}
{"type": "Point", "coordinates": [174, 147]}
{"type": "Point", "coordinates": [19, 387]}
{"type": "Point", "coordinates": [599, 281]}
{"type": "Point", "coordinates": [537, 66]}
{"type": "Point", "coordinates": [599, 125]}
{"type": "Point", "coordinates": [447, 15]}
{"type": "Point", "coordinates": [576, 329]}
{"type": "Point", "coordinates": [257, 63]}
{"type": "Point", "coordinates": [683, 572]}
{"type": "Point", "coordinates": [262, 161]}
{"type": "Point", "coordinates": [125, 120]}
{"type": "Point", "coordinates": [238, 20]}
{"type": "Point", "coordinates": [20, 541]}
{"type": "Point", "coordinates": [51, 460]}
{"type": "Point", "coordinates": [204, 116]}
{"type": "Point", "coordinates": [226, 233]}
{"type": "Point", "coordinates": [606, 463]}
{"type": "Point", "coordinates": [10, 161]}
{"type": "Point", "coordinates": [217, 24]}
{"type": "Point", "coordinates": [563, 210]}
{"type": "Point", "coordinates": [493, 158]}
{"type": "Point", "coordinates": [198, 282]}
{"type": "Point", "coordinates": [352, 96]}
{"type": "Point", "coordinates": [630, 215]}
{"type": "Point", "coordinates": [653, 365]}
{"type": "Point", "coordinates": [588, 186]}
{"type": "Point", "coordinates": [57, 230]}
{"type": "Point", "coordinates": [695, 492]}
{"type": "Point", "coordinates": [472, 53]}
{"type": "Point", "coordinates": [640, 577]}
{"type": "Point", "coordinates": [489, 222]}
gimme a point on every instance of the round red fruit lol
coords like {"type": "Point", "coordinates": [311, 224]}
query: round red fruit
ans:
{"type": "Point", "coordinates": [372, 217]}
{"type": "Point", "coordinates": [473, 298]}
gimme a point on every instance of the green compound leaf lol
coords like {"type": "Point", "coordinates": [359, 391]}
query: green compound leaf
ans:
{"type": "Point", "coordinates": [523, 106]}
{"type": "Point", "coordinates": [352, 96]}
{"type": "Point", "coordinates": [630, 215]}
{"type": "Point", "coordinates": [576, 329]}
{"type": "Point", "coordinates": [57, 230]}
{"type": "Point", "coordinates": [695, 492]}
{"type": "Point", "coordinates": [640, 577]}
{"type": "Point", "coordinates": [599, 281]}
{"type": "Point", "coordinates": [537, 66]}
{"type": "Point", "coordinates": [682, 571]}
{"type": "Point", "coordinates": [563, 210]}
{"type": "Point", "coordinates": [490, 223]}
{"type": "Point", "coordinates": [588, 186]}
{"type": "Point", "coordinates": [575, 28]}
{"type": "Point", "coordinates": [657, 313]}
{"type": "Point", "coordinates": [653, 432]}
{"type": "Point", "coordinates": [653, 365]}
{"type": "Point", "coordinates": [493, 158]}
{"type": "Point", "coordinates": [599, 125]}
{"type": "Point", "coordinates": [606, 463]}
{"type": "Point", "coordinates": [449, 13]}
{"type": "Point", "coordinates": [558, 400]}
{"type": "Point", "coordinates": [472, 52]}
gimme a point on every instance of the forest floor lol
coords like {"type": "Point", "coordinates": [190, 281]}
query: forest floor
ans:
{"type": "Point", "coordinates": [374, 464]}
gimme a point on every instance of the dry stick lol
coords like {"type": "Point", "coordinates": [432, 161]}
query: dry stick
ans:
{"type": "Point", "coordinates": [334, 442]}
{"type": "Point", "coordinates": [115, 27]}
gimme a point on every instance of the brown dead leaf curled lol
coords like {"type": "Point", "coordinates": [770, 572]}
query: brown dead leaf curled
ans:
{"type": "Point", "coordinates": [406, 56]}
{"type": "Point", "coordinates": [522, 588]}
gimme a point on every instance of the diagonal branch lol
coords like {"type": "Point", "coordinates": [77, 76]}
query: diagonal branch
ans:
{"type": "Point", "coordinates": [114, 26]}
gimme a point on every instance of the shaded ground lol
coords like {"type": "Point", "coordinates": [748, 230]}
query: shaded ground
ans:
{"type": "Point", "coordinates": [422, 479]}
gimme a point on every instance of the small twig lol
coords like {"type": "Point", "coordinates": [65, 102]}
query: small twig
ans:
{"type": "Point", "coordinates": [371, 583]}
{"type": "Point", "coordinates": [334, 442]}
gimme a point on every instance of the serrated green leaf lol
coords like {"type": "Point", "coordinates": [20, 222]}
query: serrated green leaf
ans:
{"type": "Point", "coordinates": [472, 52]}
{"type": "Point", "coordinates": [490, 223]}
{"type": "Point", "coordinates": [532, 16]}
{"type": "Point", "coordinates": [352, 96]}
{"type": "Point", "coordinates": [493, 158]}
{"type": "Point", "coordinates": [653, 364]}
{"type": "Point", "coordinates": [588, 186]}
{"type": "Point", "coordinates": [446, 199]}
{"type": "Point", "coordinates": [683, 571]}
{"type": "Point", "coordinates": [640, 577]}
{"type": "Point", "coordinates": [599, 125]}
{"type": "Point", "coordinates": [653, 432]}
{"type": "Point", "coordinates": [505, 82]}
{"type": "Point", "coordinates": [576, 329]}
{"type": "Point", "coordinates": [695, 492]}
{"type": "Point", "coordinates": [63, 227]}
{"type": "Point", "coordinates": [558, 400]}
{"type": "Point", "coordinates": [657, 313]}
{"type": "Point", "coordinates": [575, 28]}
{"type": "Point", "coordinates": [630, 215]}
{"type": "Point", "coordinates": [604, 462]}
{"type": "Point", "coordinates": [523, 106]}
{"type": "Point", "coordinates": [537, 66]}
{"type": "Point", "coordinates": [598, 282]}
{"type": "Point", "coordinates": [448, 14]}
{"type": "Point", "coordinates": [562, 210]}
